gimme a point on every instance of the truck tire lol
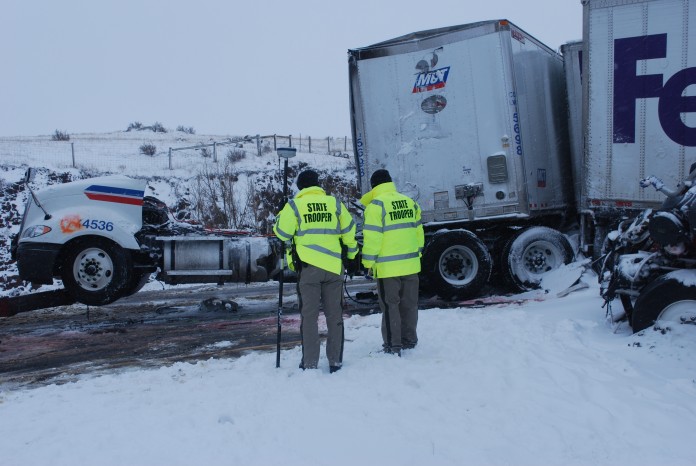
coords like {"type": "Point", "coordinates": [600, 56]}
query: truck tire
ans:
{"type": "Point", "coordinates": [457, 264]}
{"type": "Point", "coordinates": [135, 283]}
{"type": "Point", "coordinates": [531, 253]}
{"type": "Point", "coordinates": [666, 298]}
{"type": "Point", "coordinates": [95, 271]}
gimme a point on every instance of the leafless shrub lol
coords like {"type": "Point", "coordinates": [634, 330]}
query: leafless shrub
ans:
{"type": "Point", "coordinates": [265, 201]}
{"type": "Point", "coordinates": [186, 129]}
{"type": "Point", "coordinates": [235, 155]}
{"type": "Point", "coordinates": [219, 201]}
{"type": "Point", "coordinates": [157, 127]}
{"type": "Point", "coordinates": [148, 149]}
{"type": "Point", "coordinates": [134, 125]}
{"type": "Point", "coordinates": [60, 136]}
{"type": "Point", "coordinates": [340, 188]}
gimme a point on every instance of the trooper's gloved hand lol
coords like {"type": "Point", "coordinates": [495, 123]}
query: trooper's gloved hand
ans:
{"type": "Point", "coordinates": [352, 266]}
{"type": "Point", "coordinates": [369, 274]}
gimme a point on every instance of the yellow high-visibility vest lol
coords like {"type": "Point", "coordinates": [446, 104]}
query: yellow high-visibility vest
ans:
{"type": "Point", "coordinates": [317, 223]}
{"type": "Point", "coordinates": [393, 237]}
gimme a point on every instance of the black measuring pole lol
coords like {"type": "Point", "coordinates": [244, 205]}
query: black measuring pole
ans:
{"type": "Point", "coordinates": [280, 307]}
{"type": "Point", "coordinates": [282, 269]}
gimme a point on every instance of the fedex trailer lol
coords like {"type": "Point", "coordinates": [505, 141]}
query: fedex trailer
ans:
{"type": "Point", "coordinates": [632, 84]}
{"type": "Point", "coordinates": [471, 122]}
{"type": "Point", "coordinates": [638, 107]}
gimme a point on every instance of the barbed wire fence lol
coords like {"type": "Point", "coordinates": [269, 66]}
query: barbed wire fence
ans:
{"type": "Point", "coordinates": [134, 153]}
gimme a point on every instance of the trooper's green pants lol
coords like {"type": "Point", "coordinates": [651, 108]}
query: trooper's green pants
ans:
{"type": "Point", "coordinates": [398, 299]}
{"type": "Point", "coordinates": [317, 286]}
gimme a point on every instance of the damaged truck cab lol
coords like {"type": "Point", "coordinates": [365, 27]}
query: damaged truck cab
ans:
{"type": "Point", "coordinates": [104, 238]}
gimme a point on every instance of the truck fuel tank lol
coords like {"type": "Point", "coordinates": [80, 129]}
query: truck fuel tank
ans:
{"type": "Point", "coordinates": [194, 259]}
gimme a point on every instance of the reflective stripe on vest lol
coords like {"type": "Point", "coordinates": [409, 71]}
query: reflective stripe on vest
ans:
{"type": "Point", "coordinates": [323, 250]}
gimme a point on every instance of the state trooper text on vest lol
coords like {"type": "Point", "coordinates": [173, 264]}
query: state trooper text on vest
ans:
{"type": "Point", "coordinates": [401, 210]}
{"type": "Point", "coordinates": [318, 212]}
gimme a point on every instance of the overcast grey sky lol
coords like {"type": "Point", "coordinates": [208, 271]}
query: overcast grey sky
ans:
{"type": "Point", "coordinates": [222, 67]}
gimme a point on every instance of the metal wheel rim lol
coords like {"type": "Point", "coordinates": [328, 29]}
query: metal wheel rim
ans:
{"type": "Point", "coordinates": [458, 265]}
{"type": "Point", "coordinates": [683, 311]}
{"type": "Point", "coordinates": [93, 269]}
{"type": "Point", "coordinates": [541, 257]}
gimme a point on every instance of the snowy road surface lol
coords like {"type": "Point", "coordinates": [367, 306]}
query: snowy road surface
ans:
{"type": "Point", "coordinates": [544, 382]}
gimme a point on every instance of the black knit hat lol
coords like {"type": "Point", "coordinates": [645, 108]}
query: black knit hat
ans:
{"type": "Point", "coordinates": [307, 178]}
{"type": "Point", "coordinates": [379, 177]}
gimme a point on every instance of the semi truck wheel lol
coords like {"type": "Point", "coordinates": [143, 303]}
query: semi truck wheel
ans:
{"type": "Point", "coordinates": [457, 264]}
{"type": "Point", "coordinates": [95, 271]}
{"type": "Point", "coordinates": [135, 283]}
{"type": "Point", "coordinates": [667, 298]}
{"type": "Point", "coordinates": [531, 253]}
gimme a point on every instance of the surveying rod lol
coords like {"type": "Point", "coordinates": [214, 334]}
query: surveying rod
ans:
{"type": "Point", "coordinates": [285, 153]}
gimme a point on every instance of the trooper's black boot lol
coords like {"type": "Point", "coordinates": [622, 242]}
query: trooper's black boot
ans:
{"type": "Point", "coordinates": [333, 369]}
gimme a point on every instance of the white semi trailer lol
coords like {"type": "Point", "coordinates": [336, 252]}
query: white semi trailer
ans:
{"type": "Point", "coordinates": [632, 95]}
{"type": "Point", "coordinates": [471, 122]}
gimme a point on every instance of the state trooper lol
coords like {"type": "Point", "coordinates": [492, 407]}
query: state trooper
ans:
{"type": "Point", "coordinates": [318, 226]}
{"type": "Point", "coordinates": [393, 241]}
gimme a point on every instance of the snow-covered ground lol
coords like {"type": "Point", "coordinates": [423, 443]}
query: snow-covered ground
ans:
{"type": "Point", "coordinates": [547, 382]}
{"type": "Point", "coordinates": [550, 381]}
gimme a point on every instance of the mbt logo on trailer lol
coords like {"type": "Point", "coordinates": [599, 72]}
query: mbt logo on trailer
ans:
{"type": "Point", "coordinates": [435, 79]}
{"type": "Point", "coordinates": [629, 86]}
